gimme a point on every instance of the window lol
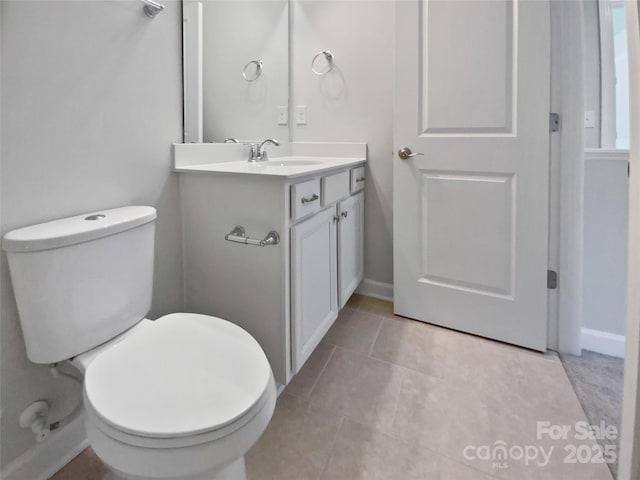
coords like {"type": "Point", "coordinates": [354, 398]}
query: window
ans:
{"type": "Point", "coordinates": [614, 75]}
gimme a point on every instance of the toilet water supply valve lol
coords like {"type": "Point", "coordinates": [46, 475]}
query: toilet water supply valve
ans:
{"type": "Point", "coordinates": [36, 415]}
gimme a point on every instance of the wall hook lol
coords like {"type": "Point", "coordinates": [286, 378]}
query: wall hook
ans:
{"type": "Point", "coordinates": [151, 8]}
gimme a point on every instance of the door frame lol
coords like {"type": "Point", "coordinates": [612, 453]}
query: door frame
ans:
{"type": "Point", "coordinates": [567, 210]}
{"type": "Point", "coordinates": [566, 189]}
{"type": "Point", "coordinates": [629, 465]}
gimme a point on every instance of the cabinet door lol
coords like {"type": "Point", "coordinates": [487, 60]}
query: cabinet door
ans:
{"type": "Point", "coordinates": [350, 245]}
{"type": "Point", "coordinates": [314, 282]}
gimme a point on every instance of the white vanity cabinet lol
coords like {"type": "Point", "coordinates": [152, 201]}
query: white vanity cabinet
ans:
{"type": "Point", "coordinates": [350, 246]}
{"type": "Point", "coordinates": [326, 267]}
{"type": "Point", "coordinates": [326, 253]}
{"type": "Point", "coordinates": [287, 294]}
{"type": "Point", "coordinates": [314, 281]}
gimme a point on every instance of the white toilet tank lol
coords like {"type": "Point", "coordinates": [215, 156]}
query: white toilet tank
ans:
{"type": "Point", "coordinates": [80, 281]}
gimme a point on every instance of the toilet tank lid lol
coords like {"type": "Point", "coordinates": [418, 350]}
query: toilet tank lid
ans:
{"type": "Point", "coordinates": [78, 229]}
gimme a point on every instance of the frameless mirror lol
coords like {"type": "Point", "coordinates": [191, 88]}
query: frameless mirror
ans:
{"type": "Point", "coordinates": [236, 70]}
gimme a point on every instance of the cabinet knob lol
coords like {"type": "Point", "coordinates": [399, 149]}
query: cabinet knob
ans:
{"type": "Point", "coordinates": [336, 219]}
{"type": "Point", "coordinates": [344, 214]}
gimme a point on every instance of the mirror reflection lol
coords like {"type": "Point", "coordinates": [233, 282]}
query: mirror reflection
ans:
{"type": "Point", "coordinates": [236, 58]}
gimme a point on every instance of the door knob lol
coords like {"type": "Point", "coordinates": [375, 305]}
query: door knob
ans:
{"type": "Point", "coordinates": [405, 152]}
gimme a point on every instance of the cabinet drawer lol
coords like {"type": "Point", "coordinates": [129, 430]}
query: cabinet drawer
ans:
{"type": "Point", "coordinates": [357, 179]}
{"type": "Point", "coordinates": [305, 198]}
{"type": "Point", "coordinates": [335, 187]}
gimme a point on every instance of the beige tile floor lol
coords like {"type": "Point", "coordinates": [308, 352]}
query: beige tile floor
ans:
{"type": "Point", "coordinates": [384, 397]}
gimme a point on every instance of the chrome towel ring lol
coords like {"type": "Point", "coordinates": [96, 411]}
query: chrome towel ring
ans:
{"type": "Point", "coordinates": [252, 76]}
{"type": "Point", "coordinates": [330, 59]}
{"type": "Point", "coordinates": [151, 8]}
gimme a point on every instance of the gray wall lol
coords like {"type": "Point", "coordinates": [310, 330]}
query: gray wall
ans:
{"type": "Point", "coordinates": [91, 101]}
{"type": "Point", "coordinates": [606, 212]}
{"type": "Point", "coordinates": [354, 103]}
{"type": "Point", "coordinates": [605, 205]}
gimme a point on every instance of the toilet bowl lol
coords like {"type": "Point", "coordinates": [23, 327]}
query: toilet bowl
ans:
{"type": "Point", "coordinates": [181, 397]}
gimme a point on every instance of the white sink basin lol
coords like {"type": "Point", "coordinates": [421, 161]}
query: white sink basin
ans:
{"type": "Point", "coordinates": [277, 166]}
{"type": "Point", "coordinates": [290, 163]}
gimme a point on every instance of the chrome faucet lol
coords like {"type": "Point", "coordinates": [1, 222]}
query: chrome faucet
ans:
{"type": "Point", "coordinates": [257, 152]}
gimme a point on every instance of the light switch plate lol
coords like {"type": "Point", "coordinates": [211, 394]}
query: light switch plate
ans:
{"type": "Point", "coordinates": [589, 119]}
{"type": "Point", "coordinates": [301, 114]}
{"type": "Point", "coordinates": [283, 115]}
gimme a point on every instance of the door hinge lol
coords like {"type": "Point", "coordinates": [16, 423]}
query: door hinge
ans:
{"type": "Point", "coordinates": [552, 279]}
{"type": "Point", "coordinates": [554, 122]}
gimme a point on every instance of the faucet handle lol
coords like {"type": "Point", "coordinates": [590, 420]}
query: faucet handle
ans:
{"type": "Point", "coordinates": [231, 140]}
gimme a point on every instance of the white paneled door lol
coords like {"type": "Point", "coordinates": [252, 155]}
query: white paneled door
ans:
{"type": "Point", "coordinates": [470, 211]}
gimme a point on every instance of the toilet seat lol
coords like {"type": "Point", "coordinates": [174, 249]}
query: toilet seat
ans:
{"type": "Point", "coordinates": [184, 380]}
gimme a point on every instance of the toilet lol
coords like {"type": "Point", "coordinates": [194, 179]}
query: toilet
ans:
{"type": "Point", "coordinates": [181, 397]}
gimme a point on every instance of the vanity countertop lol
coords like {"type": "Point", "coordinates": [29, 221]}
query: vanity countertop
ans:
{"type": "Point", "coordinates": [289, 167]}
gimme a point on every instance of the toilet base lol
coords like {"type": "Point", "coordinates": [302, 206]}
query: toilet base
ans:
{"type": "Point", "coordinates": [234, 471]}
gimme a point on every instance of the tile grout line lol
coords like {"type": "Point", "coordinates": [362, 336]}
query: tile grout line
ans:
{"type": "Point", "coordinates": [324, 367]}
{"type": "Point", "coordinates": [397, 365]}
{"type": "Point", "coordinates": [333, 447]}
{"type": "Point", "coordinates": [359, 307]}
{"type": "Point", "coordinates": [375, 339]}
{"type": "Point", "coordinates": [392, 433]}
{"type": "Point", "coordinates": [397, 401]}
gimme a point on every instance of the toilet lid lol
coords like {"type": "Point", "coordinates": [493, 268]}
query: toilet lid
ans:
{"type": "Point", "coordinates": [186, 374]}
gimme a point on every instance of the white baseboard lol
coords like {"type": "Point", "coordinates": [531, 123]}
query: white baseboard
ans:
{"type": "Point", "coordinates": [603, 342]}
{"type": "Point", "coordinates": [45, 459]}
{"type": "Point", "coordinates": [375, 289]}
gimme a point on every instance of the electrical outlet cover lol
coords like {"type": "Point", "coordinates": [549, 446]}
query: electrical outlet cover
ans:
{"type": "Point", "coordinates": [589, 119]}
{"type": "Point", "coordinates": [283, 115]}
{"type": "Point", "coordinates": [301, 114]}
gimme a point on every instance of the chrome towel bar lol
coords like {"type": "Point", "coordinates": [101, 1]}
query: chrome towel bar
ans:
{"type": "Point", "coordinates": [238, 235]}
